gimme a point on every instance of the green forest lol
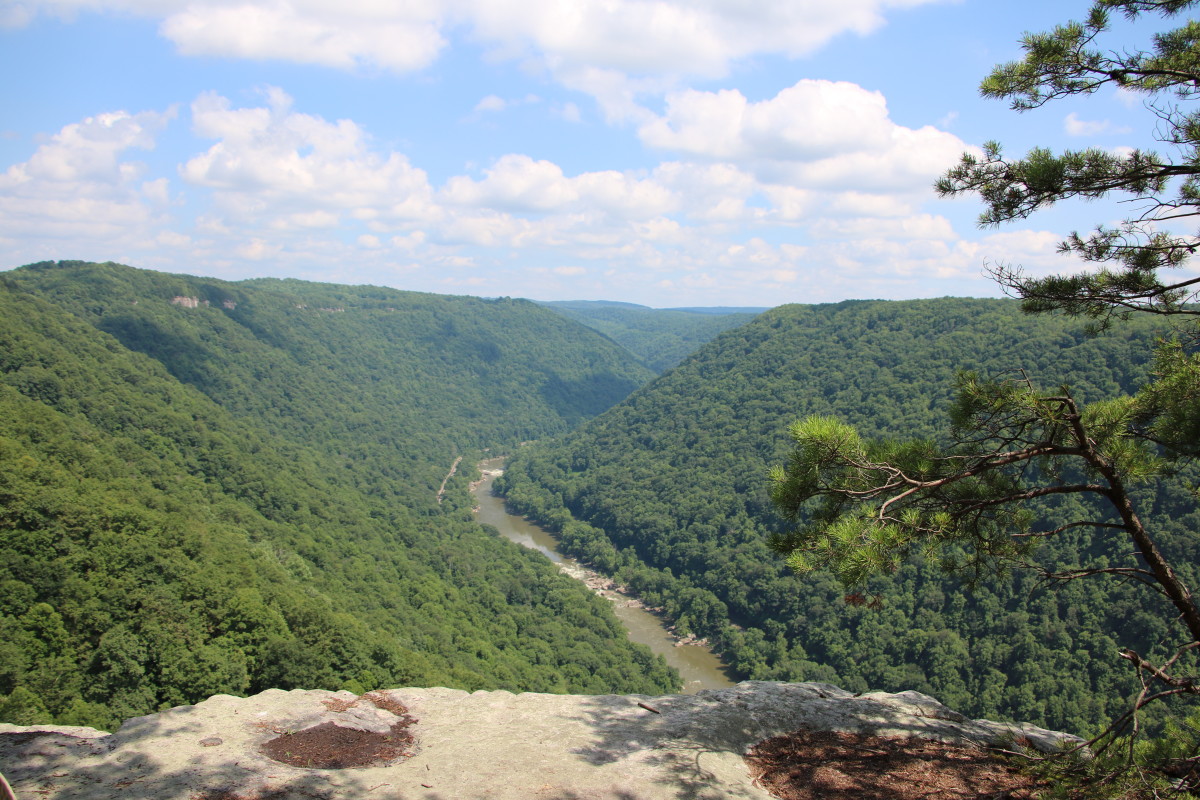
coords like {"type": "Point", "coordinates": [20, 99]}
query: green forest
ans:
{"type": "Point", "coordinates": [668, 492]}
{"type": "Point", "coordinates": [213, 487]}
{"type": "Point", "coordinates": [659, 337]}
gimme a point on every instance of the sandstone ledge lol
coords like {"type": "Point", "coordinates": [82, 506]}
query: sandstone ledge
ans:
{"type": "Point", "coordinates": [473, 745]}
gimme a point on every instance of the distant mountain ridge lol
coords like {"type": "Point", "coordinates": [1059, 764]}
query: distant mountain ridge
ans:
{"type": "Point", "coordinates": [659, 337]}
{"type": "Point", "coordinates": [714, 310]}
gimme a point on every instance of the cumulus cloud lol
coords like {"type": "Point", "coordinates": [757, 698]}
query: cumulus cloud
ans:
{"type": "Point", "coordinates": [812, 119]}
{"type": "Point", "coordinates": [922, 227]}
{"type": "Point", "coordinates": [396, 36]}
{"type": "Point", "coordinates": [768, 200]}
{"type": "Point", "coordinates": [638, 37]}
{"type": "Point", "coordinates": [91, 149]}
{"type": "Point", "coordinates": [289, 189]}
{"type": "Point", "coordinates": [815, 133]}
{"type": "Point", "coordinates": [520, 183]}
{"type": "Point", "coordinates": [270, 160]}
{"type": "Point", "coordinates": [1033, 250]}
{"type": "Point", "coordinates": [715, 192]}
{"type": "Point", "coordinates": [81, 187]}
{"type": "Point", "coordinates": [644, 37]}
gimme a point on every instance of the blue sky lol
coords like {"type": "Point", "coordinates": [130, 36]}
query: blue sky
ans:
{"type": "Point", "coordinates": [663, 152]}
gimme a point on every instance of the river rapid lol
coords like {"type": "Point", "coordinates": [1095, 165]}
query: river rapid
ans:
{"type": "Point", "coordinates": [699, 667]}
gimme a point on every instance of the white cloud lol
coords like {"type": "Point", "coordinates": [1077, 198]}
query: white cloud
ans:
{"type": "Point", "coordinates": [396, 36]}
{"type": "Point", "coordinates": [616, 93]}
{"type": "Point", "coordinates": [812, 119]}
{"type": "Point", "coordinates": [520, 183]}
{"type": "Point", "coordinates": [91, 149]}
{"type": "Point", "coordinates": [487, 230]}
{"type": "Point", "coordinates": [660, 229]}
{"type": "Point", "coordinates": [491, 103]}
{"type": "Point", "coordinates": [1127, 98]}
{"type": "Point", "coordinates": [1033, 250]}
{"type": "Point", "coordinates": [709, 191]}
{"type": "Point", "coordinates": [408, 242]}
{"type": "Point", "coordinates": [286, 186]}
{"type": "Point", "coordinates": [866, 204]}
{"type": "Point", "coordinates": [924, 227]}
{"type": "Point", "coordinates": [815, 133]}
{"type": "Point", "coordinates": [270, 161]}
{"type": "Point", "coordinates": [767, 202]}
{"type": "Point", "coordinates": [258, 249]}
{"type": "Point", "coordinates": [515, 182]}
{"type": "Point", "coordinates": [80, 190]}
{"type": "Point", "coordinates": [638, 37]}
{"type": "Point", "coordinates": [909, 162]}
{"type": "Point", "coordinates": [1074, 126]}
{"type": "Point", "coordinates": [648, 37]}
{"type": "Point", "coordinates": [570, 112]}
{"type": "Point", "coordinates": [622, 196]}
{"type": "Point", "coordinates": [304, 220]}
{"type": "Point", "coordinates": [15, 15]}
{"type": "Point", "coordinates": [173, 240]}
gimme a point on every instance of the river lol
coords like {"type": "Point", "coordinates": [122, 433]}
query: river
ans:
{"type": "Point", "coordinates": [697, 665]}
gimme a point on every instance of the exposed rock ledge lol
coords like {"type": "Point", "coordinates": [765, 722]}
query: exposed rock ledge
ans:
{"type": "Point", "coordinates": [472, 745]}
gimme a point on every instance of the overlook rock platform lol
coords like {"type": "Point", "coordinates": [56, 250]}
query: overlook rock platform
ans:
{"type": "Point", "coordinates": [447, 744]}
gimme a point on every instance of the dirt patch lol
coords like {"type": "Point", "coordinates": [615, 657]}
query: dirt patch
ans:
{"type": "Point", "coordinates": [385, 702]}
{"type": "Point", "coordinates": [830, 765]}
{"type": "Point", "coordinates": [332, 746]}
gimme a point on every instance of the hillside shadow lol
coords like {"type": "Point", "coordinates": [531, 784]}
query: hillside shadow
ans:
{"type": "Point", "coordinates": [577, 399]}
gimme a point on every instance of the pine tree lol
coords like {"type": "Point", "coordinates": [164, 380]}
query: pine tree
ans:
{"type": "Point", "coordinates": [863, 507]}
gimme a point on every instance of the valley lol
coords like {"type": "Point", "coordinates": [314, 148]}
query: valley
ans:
{"type": "Point", "coordinates": [270, 485]}
{"type": "Point", "coordinates": [698, 667]}
{"type": "Point", "coordinates": [668, 493]}
{"type": "Point", "coordinates": [240, 493]}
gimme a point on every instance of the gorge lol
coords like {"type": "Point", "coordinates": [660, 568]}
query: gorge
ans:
{"type": "Point", "coordinates": [240, 494]}
{"type": "Point", "coordinates": [696, 664]}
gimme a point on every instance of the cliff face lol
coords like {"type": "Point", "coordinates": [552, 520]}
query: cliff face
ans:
{"type": "Point", "coordinates": [445, 744]}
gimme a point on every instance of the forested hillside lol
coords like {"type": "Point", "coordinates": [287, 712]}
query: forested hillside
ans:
{"type": "Point", "coordinates": [668, 491]}
{"type": "Point", "coordinates": [215, 487]}
{"type": "Point", "coordinates": [659, 337]}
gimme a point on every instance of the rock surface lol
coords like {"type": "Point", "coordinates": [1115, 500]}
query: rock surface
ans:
{"type": "Point", "coordinates": [472, 745]}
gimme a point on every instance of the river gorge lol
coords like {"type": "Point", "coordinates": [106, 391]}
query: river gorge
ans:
{"type": "Point", "coordinates": [698, 666]}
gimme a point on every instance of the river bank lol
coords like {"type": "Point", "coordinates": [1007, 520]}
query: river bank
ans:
{"type": "Point", "coordinates": [697, 664]}
{"type": "Point", "coordinates": [602, 585]}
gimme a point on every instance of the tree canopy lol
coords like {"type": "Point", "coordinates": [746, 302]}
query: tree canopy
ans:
{"type": "Point", "coordinates": [209, 487]}
{"type": "Point", "coordinates": [667, 492]}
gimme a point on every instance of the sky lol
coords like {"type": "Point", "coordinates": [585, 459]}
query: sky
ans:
{"type": "Point", "coordinates": [663, 152]}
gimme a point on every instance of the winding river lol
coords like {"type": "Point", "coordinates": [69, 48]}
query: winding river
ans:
{"type": "Point", "coordinates": [697, 665]}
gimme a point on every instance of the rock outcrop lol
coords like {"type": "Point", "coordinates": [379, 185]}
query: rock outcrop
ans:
{"type": "Point", "coordinates": [469, 745]}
